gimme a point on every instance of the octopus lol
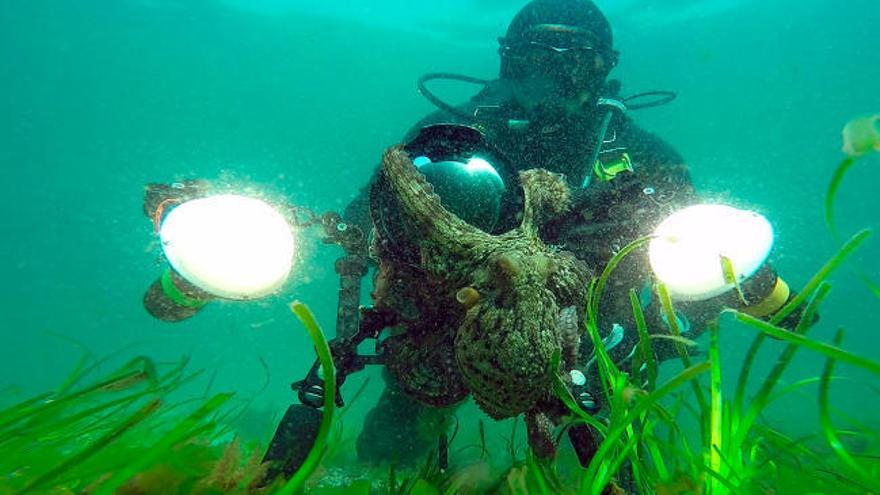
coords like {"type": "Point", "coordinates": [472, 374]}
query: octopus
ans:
{"type": "Point", "coordinates": [492, 316]}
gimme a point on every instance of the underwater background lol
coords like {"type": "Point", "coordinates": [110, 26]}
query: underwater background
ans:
{"type": "Point", "coordinates": [98, 98]}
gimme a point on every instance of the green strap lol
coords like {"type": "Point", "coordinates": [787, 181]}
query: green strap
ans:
{"type": "Point", "coordinates": [176, 295]}
{"type": "Point", "coordinates": [606, 172]}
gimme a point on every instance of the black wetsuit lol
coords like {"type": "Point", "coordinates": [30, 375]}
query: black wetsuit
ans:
{"type": "Point", "coordinates": [606, 215]}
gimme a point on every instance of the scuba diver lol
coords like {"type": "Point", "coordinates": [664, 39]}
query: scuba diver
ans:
{"type": "Point", "coordinates": [552, 107]}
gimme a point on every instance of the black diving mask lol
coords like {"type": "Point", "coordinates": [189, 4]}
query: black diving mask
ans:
{"type": "Point", "coordinates": [568, 55]}
{"type": "Point", "coordinates": [559, 38]}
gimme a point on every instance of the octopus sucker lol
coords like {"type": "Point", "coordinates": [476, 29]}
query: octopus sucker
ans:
{"type": "Point", "coordinates": [468, 297]}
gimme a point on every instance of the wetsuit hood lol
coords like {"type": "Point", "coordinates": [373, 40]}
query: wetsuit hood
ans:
{"type": "Point", "coordinates": [583, 14]}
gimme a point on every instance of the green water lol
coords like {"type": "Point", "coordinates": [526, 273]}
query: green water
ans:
{"type": "Point", "coordinates": [99, 98]}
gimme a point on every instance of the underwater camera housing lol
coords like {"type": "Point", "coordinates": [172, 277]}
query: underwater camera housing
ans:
{"type": "Point", "coordinates": [467, 174]}
{"type": "Point", "coordinates": [471, 177]}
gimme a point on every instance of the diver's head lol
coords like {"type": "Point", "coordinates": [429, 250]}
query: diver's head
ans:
{"type": "Point", "coordinates": [557, 53]}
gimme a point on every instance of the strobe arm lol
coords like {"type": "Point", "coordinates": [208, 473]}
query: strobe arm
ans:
{"type": "Point", "coordinates": [310, 390]}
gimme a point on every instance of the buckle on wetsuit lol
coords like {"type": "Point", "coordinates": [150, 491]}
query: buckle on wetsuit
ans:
{"type": "Point", "coordinates": [607, 171]}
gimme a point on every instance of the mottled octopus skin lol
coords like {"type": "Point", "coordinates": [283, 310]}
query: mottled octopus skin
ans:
{"type": "Point", "coordinates": [483, 313]}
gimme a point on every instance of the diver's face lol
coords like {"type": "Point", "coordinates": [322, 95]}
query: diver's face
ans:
{"type": "Point", "coordinates": [556, 68]}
